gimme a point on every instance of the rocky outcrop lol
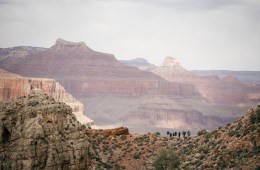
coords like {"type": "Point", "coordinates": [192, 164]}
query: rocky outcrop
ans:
{"type": "Point", "coordinates": [13, 86]}
{"type": "Point", "coordinates": [115, 132]}
{"type": "Point", "coordinates": [39, 133]}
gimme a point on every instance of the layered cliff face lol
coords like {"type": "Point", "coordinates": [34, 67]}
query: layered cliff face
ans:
{"type": "Point", "coordinates": [226, 90]}
{"type": "Point", "coordinates": [248, 77]}
{"type": "Point", "coordinates": [192, 120]}
{"type": "Point", "coordinates": [39, 133]}
{"type": "Point", "coordinates": [85, 72]}
{"type": "Point", "coordinates": [13, 86]}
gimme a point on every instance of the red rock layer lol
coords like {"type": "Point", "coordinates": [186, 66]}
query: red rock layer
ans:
{"type": "Point", "coordinates": [84, 72]}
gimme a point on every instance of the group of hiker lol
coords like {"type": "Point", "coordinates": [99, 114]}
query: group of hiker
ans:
{"type": "Point", "coordinates": [183, 133]}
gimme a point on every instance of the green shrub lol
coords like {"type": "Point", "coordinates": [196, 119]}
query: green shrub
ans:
{"type": "Point", "coordinates": [137, 155]}
{"type": "Point", "coordinates": [123, 137]}
{"type": "Point", "coordinates": [255, 116]}
{"type": "Point", "coordinates": [166, 159]}
{"type": "Point", "coordinates": [202, 132]}
{"type": "Point", "coordinates": [157, 133]}
{"type": "Point", "coordinates": [107, 166]}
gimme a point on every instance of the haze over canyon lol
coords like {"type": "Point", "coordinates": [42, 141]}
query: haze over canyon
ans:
{"type": "Point", "coordinates": [135, 94]}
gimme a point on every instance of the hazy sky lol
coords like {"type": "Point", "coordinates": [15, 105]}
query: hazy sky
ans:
{"type": "Point", "coordinates": [201, 34]}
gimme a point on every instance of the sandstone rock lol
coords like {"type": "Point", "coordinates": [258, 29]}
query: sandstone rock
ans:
{"type": "Point", "coordinates": [115, 132]}
{"type": "Point", "coordinates": [13, 86]}
{"type": "Point", "coordinates": [39, 133]}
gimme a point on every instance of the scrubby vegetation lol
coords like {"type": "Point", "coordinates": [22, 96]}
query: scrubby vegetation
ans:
{"type": "Point", "coordinates": [166, 159]}
{"type": "Point", "coordinates": [235, 146]}
{"type": "Point", "coordinates": [255, 115]}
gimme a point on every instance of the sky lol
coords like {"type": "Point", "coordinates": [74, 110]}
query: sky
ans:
{"type": "Point", "coordinates": [201, 34]}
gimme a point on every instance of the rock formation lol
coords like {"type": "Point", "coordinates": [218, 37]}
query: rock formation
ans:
{"type": "Point", "coordinates": [115, 132]}
{"type": "Point", "coordinates": [171, 66]}
{"type": "Point", "coordinates": [226, 90]}
{"type": "Point", "coordinates": [13, 86]}
{"type": "Point", "coordinates": [85, 72]}
{"type": "Point", "coordinates": [39, 133]}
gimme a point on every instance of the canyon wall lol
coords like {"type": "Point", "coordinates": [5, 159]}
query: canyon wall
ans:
{"type": "Point", "coordinates": [13, 86]}
{"type": "Point", "coordinates": [83, 72]}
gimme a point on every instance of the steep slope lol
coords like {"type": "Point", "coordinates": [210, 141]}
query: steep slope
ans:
{"type": "Point", "coordinates": [13, 86]}
{"type": "Point", "coordinates": [235, 146]}
{"type": "Point", "coordinates": [39, 133]}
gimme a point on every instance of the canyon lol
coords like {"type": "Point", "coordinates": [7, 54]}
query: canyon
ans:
{"type": "Point", "coordinates": [119, 95]}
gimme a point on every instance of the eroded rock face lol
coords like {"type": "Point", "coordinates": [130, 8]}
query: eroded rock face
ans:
{"type": "Point", "coordinates": [178, 119]}
{"type": "Point", "coordinates": [39, 133]}
{"type": "Point", "coordinates": [13, 86]}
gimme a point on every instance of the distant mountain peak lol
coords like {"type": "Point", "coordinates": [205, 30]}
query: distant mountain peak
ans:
{"type": "Point", "coordinates": [170, 62]}
{"type": "Point", "coordinates": [63, 44]}
{"type": "Point", "coordinates": [171, 69]}
{"type": "Point", "coordinates": [61, 41]}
